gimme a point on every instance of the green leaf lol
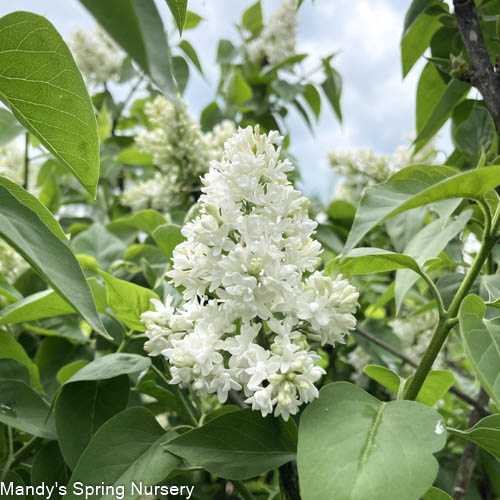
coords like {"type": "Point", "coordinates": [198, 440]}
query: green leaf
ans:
{"type": "Point", "coordinates": [42, 86]}
{"type": "Point", "coordinates": [82, 408]}
{"type": "Point", "coordinates": [490, 288]}
{"type": "Point", "coordinates": [145, 220]}
{"type": "Point", "coordinates": [12, 349]}
{"type": "Point", "coordinates": [350, 443]}
{"type": "Point", "coordinates": [192, 20]}
{"type": "Point", "coordinates": [237, 89]}
{"type": "Point", "coordinates": [430, 90]}
{"type": "Point", "coordinates": [127, 447]}
{"type": "Point", "coordinates": [401, 228]}
{"type": "Point", "coordinates": [17, 482]}
{"type": "Point", "coordinates": [39, 305]}
{"type": "Point", "coordinates": [30, 201]}
{"type": "Point", "coordinates": [67, 371]}
{"type": "Point", "coordinates": [128, 300]}
{"type": "Point", "coordinates": [181, 72]}
{"type": "Point", "coordinates": [104, 123]}
{"type": "Point", "coordinates": [385, 377]}
{"type": "Point", "coordinates": [11, 369]}
{"type": "Point", "coordinates": [48, 255]}
{"type": "Point", "coordinates": [112, 365]}
{"type": "Point", "coordinates": [453, 94]}
{"type": "Point", "coordinates": [417, 8]}
{"type": "Point", "coordinates": [486, 434]}
{"type": "Point", "coordinates": [436, 494]}
{"type": "Point", "coordinates": [22, 408]}
{"type": "Point", "coordinates": [99, 243]}
{"type": "Point", "coordinates": [313, 99]}
{"type": "Point", "coordinates": [49, 469]}
{"type": "Point", "coordinates": [416, 186]}
{"type": "Point", "coordinates": [252, 18]}
{"type": "Point", "coordinates": [226, 51]}
{"type": "Point", "coordinates": [429, 242]}
{"type": "Point", "coordinates": [9, 127]}
{"type": "Point", "coordinates": [167, 237]}
{"type": "Point", "coordinates": [416, 38]}
{"type": "Point", "coordinates": [178, 9]}
{"type": "Point", "coordinates": [238, 445]}
{"type": "Point", "coordinates": [332, 87]}
{"type": "Point", "coordinates": [481, 342]}
{"type": "Point", "coordinates": [435, 386]}
{"type": "Point", "coordinates": [477, 132]}
{"type": "Point", "coordinates": [188, 49]}
{"type": "Point", "coordinates": [375, 260]}
{"type": "Point", "coordinates": [138, 29]}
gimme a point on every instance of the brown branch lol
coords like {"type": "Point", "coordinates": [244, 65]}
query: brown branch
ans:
{"type": "Point", "coordinates": [469, 456]}
{"type": "Point", "coordinates": [454, 390]}
{"type": "Point", "coordinates": [482, 74]}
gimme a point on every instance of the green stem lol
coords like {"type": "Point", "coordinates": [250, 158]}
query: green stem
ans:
{"type": "Point", "coordinates": [242, 489]}
{"type": "Point", "coordinates": [21, 454]}
{"type": "Point", "coordinates": [26, 159]}
{"type": "Point", "coordinates": [180, 396]}
{"type": "Point", "coordinates": [435, 293]}
{"type": "Point", "coordinates": [447, 321]}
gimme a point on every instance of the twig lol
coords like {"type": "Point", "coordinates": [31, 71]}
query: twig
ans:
{"type": "Point", "coordinates": [464, 397]}
{"type": "Point", "coordinates": [482, 75]}
{"type": "Point", "coordinates": [289, 481]}
{"type": "Point", "coordinates": [469, 456]}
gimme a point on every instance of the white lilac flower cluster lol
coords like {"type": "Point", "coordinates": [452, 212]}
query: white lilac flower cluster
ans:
{"type": "Point", "coordinates": [276, 41]}
{"type": "Point", "coordinates": [96, 55]}
{"type": "Point", "coordinates": [253, 301]}
{"type": "Point", "coordinates": [364, 168]}
{"type": "Point", "coordinates": [181, 151]}
{"type": "Point", "coordinates": [12, 161]}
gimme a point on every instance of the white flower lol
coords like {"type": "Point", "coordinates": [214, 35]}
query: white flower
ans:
{"type": "Point", "coordinates": [96, 54]}
{"type": "Point", "coordinates": [277, 39]}
{"type": "Point", "coordinates": [249, 306]}
{"type": "Point", "coordinates": [12, 162]}
{"type": "Point", "coordinates": [180, 150]}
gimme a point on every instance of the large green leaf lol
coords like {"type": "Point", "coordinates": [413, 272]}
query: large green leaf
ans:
{"type": "Point", "coordinates": [110, 366]}
{"type": "Point", "coordinates": [429, 242]}
{"type": "Point", "coordinates": [138, 28]}
{"type": "Point", "coordinates": [430, 90]}
{"type": "Point", "coordinates": [416, 186]}
{"type": "Point", "coordinates": [128, 300]}
{"type": "Point", "coordinates": [30, 201]}
{"type": "Point", "coordinates": [167, 237]}
{"type": "Point", "coordinates": [128, 447]}
{"type": "Point", "coordinates": [39, 305]}
{"type": "Point", "coordinates": [98, 242]}
{"type": "Point", "coordinates": [354, 447]}
{"type": "Point", "coordinates": [12, 349]}
{"type": "Point", "coordinates": [237, 89]}
{"type": "Point", "coordinates": [178, 9]}
{"type": "Point", "coordinates": [416, 38]}
{"type": "Point", "coordinates": [49, 469]}
{"type": "Point", "coordinates": [481, 342]}
{"type": "Point", "coordinates": [476, 132]}
{"type": "Point", "coordinates": [22, 408]}
{"type": "Point", "coordinates": [486, 433]}
{"type": "Point", "coordinates": [50, 257]}
{"type": "Point", "coordinates": [238, 445]}
{"type": "Point", "coordinates": [368, 260]}
{"type": "Point", "coordinates": [83, 407]}
{"type": "Point", "coordinates": [436, 494]}
{"type": "Point", "coordinates": [41, 84]}
{"type": "Point", "coordinates": [453, 94]}
{"type": "Point", "coordinates": [9, 127]}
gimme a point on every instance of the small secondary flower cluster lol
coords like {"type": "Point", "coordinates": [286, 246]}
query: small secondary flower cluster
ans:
{"type": "Point", "coordinates": [364, 168]}
{"type": "Point", "coordinates": [96, 54]}
{"type": "Point", "coordinates": [182, 152]}
{"type": "Point", "coordinates": [252, 298]}
{"type": "Point", "coordinates": [276, 41]}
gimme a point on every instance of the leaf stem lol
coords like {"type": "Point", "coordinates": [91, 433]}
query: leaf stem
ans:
{"type": "Point", "coordinates": [435, 293]}
{"type": "Point", "coordinates": [447, 322]}
{"type": "Point", "coordinates": [242, 489]}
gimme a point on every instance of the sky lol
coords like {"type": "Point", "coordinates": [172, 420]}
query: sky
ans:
{"type": "Point", "coordinates": [377, 104]}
